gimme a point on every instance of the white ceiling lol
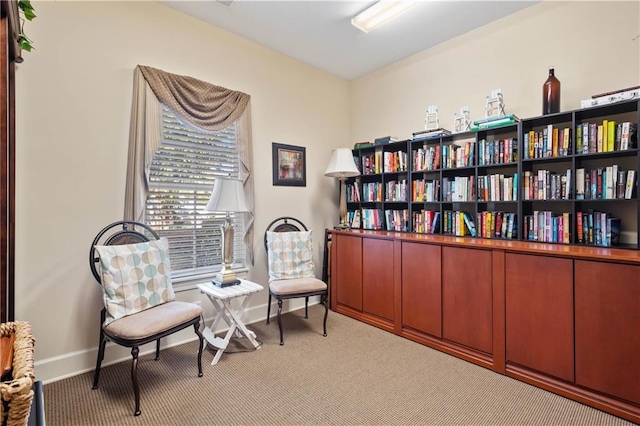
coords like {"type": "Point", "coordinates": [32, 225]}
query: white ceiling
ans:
{"type": "Point", "coordinates": [320, 33]}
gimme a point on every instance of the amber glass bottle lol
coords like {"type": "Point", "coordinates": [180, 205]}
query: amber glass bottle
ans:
{"type": "Point", "coordinates": [551, 94]}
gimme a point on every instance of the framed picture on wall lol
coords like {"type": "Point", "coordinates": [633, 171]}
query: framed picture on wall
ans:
{"type": "Point", "coordinates": [289, 165]}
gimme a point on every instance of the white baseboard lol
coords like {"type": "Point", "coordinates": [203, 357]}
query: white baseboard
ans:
{"type": "Point", "coordinates": [73, 363]}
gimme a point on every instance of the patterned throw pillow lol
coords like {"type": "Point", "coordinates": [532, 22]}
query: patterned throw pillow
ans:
{"type": "Point", "coordinates": [135, 277]}
{"type": "Point", "coordinates": [290, 255]}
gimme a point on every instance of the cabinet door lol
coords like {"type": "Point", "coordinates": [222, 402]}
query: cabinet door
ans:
{"type": "Point", "coordinates": [467, 298]}
{"type": "Point", "coordinates": [349, 271]}
{"type": "Point", "coordinates": [377, 277]}
{"type": "Point", "coordinates": [608, 328]}
{"type": "Point", "coordinates": [422, 288]}
{"type": "Point", "coordinates": [539, 293]}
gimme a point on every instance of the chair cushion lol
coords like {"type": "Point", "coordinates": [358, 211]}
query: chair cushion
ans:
{"type": "Point", "coordinates": [296, 285]}
{"type": "Point", "coordinates": [153, 321]}
{"type": "Point", "coordinates": [290, 255]}
{"type": "Point", "coordinates": [135, 277]}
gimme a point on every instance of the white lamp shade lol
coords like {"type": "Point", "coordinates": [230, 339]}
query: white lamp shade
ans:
{"type": "Point", "coordinates": [341, 164]}
{"type": "Point", "coordinates": [227, 196]}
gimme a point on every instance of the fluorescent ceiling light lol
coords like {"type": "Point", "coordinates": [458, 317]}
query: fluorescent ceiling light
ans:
{"type": "Point", "coordinates": [380, 13]}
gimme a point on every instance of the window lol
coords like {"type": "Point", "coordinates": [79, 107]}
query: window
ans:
{"type": "Point", "coordinates": [181, 176]}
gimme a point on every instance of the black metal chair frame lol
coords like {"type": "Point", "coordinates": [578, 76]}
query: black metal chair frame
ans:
{"type": "Point", "coordinates": [288, 226]}
{"type": "Point", "coordinates": [128, 235]}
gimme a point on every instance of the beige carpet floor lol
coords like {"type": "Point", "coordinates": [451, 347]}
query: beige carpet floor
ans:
{"type": "Point", "coordinates": [357, 375]}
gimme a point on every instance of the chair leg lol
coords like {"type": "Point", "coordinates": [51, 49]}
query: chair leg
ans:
{"type": "Point", "coordinates": [196, 326]}
{"type": "Point", "coordinates": [157, 349]}
{"type": "Point", "coordinates": [280, 320]}
{"type": "Point", "coordinates": [269, 308]}
{"type": "Point", "coordinates": [134, 379]}
{"type": "Point", "coordinates": [96, 373]}
{"type": "Point", "coordinates": [306, 307]}
{"type": "Point", "coordinates": [323, 299]}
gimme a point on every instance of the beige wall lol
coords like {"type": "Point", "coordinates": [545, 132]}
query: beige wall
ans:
{"type": "Point", "coordinates": [73, 108]}
{"type": "Point", "coordinates": [74, 95]}
{"type": "Point", "coordinates": [589, 43]}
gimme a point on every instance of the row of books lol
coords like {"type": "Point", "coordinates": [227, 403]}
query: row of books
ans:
{"type": "Point", "coordinates": [598, 229]}
{"type": "Point", "coordinates": [497, 187]}
{"type": "Point", "coordinates": [455, 156]}
{"type": "Point", "coordinates": [546, 185]}
{"type": "Point", "coordinates": [372, 192]}
{"type": "Point", "coordinates": [395, 161]}
{"type": "Point", "coordinates": [397, 220]}
{"type": "Point", "coordinates": [426, 158]}
{"type": "Point", "coordinates": [593, 228]}
{"type": "Point", "coordinates": [607, 136]}
{"type": "Point", "coordinates": [548, 227]}
{"type": "Point", "coordinates": [458, 223]}
{"type": "Point", "coordinates": [550, 142]}
{"type": "Point", "coordinates": [426, 222]}
{"type": "Point", "coordinates": [609, 182]}
{"type": "Point", "coordinates": [459, 188]}
{"type": "Point", "coordinates": [500, 151]}
{"type": "Point", "coordinates": [396, 190]}
{"type": "Point", "coordinates": [425, 190]}
{"type": "Point", "coordinates": [372, 164]}
{"type": "Point", "coordinates": [497, 224]}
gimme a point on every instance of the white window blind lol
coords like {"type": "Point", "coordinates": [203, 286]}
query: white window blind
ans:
{"type": "Point", "coordinates": [181, 178]}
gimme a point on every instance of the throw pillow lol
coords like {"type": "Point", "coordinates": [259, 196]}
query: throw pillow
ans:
{"type": "Point", "coordinates": [290, 255]}
{"type": "Point", "coordinates": [135, 277]}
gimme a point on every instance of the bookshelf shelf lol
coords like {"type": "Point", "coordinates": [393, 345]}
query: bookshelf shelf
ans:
{"type": "Point", "coordinates": [503, 163]}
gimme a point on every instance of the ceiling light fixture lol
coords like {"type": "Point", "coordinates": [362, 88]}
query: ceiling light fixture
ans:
{"type": "Point", "coordinates": [380, 13]}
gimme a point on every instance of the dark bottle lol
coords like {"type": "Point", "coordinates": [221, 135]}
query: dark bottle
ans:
{"type": "Point", "coordinates": [551, 94]}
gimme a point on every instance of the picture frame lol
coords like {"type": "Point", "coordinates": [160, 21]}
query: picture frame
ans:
{"type": "Point", "coordinates": [289, 165]}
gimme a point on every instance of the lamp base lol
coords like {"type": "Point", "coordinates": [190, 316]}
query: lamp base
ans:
{"type": "Point", "coordinates": [222, 285]}
{"type": "Point", "coordinates": [226, 278]}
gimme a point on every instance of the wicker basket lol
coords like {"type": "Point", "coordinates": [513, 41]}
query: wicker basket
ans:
{"type": "Point", "coordinates": [17, 394]}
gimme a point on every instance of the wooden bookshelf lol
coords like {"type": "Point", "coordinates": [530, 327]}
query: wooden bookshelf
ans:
{"type": "Point", "coordinates": [492, 170]}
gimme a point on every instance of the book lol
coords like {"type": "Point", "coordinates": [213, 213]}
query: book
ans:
{"type": "Point", "coordinates": [580, 184]}
{"type": "Point", "coordinates": [470, 225]}
{"type": "Point", "coordinates": [385, 140]}
{"type": "Point", "coordinates": [512, 117]}
{"type": "Point", "coordinates": [631, 182]}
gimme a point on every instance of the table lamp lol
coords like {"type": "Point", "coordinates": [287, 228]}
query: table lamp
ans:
{"type": "Point", "coordinates": [227, 196]}
{"type": "Point", "coordinates": [342, 166]}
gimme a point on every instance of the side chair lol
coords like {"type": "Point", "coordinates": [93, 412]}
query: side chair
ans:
{"type": "Point", "coordinates": [131, 263]}
{"type": "Point", "coordinates": [291, 270]}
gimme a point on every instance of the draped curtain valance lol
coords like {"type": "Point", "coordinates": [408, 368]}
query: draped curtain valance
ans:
{"type": "Point", "coordinates": [207, 106]}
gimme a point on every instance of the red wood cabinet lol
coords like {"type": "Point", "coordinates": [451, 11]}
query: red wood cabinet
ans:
{"type": "Point", "coordinates": [539, 313]}
{"type": "Point", "coordinates": [377, 278]}
{"type": "Point", "coordinates": [563, 318]}
{"type": "Point", "coordinates": [466, 297]}
{"type": "Point", "coordinates": [608, 328]}
{"type": "Point", "coordinates": [422, 288]}
{"type": "Point", "coordinates": [348, 272]}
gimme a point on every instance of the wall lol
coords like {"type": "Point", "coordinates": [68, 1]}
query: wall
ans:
{"type": "Point", "coordinates": [73, 111]}
{"type": "Point", "coordinates": [74, 101]}
{"type": "Point", "coordinates": [590, 44]}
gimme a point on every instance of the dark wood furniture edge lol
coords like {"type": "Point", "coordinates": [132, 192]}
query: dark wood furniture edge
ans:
{"type": "Point", "coordinates": [628, 410]}
{"type": "Point", "coordinates": [369, 319]}
{"type": "Point", "coordinates": [547, 249]}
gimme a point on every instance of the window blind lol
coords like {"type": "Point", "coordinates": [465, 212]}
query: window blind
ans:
{"type": "Point", "coordinates": [181, 177]}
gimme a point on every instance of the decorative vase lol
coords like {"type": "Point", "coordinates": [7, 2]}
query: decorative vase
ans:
{"type": "Point", "coordinates": [551, 94]}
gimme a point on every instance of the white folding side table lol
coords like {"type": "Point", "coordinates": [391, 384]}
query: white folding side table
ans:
{"type": "Point", "coordinates": [221, 298]}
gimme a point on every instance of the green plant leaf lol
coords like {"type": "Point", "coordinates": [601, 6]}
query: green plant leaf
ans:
{"type": "Point", "coordinates": [25, 44]}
